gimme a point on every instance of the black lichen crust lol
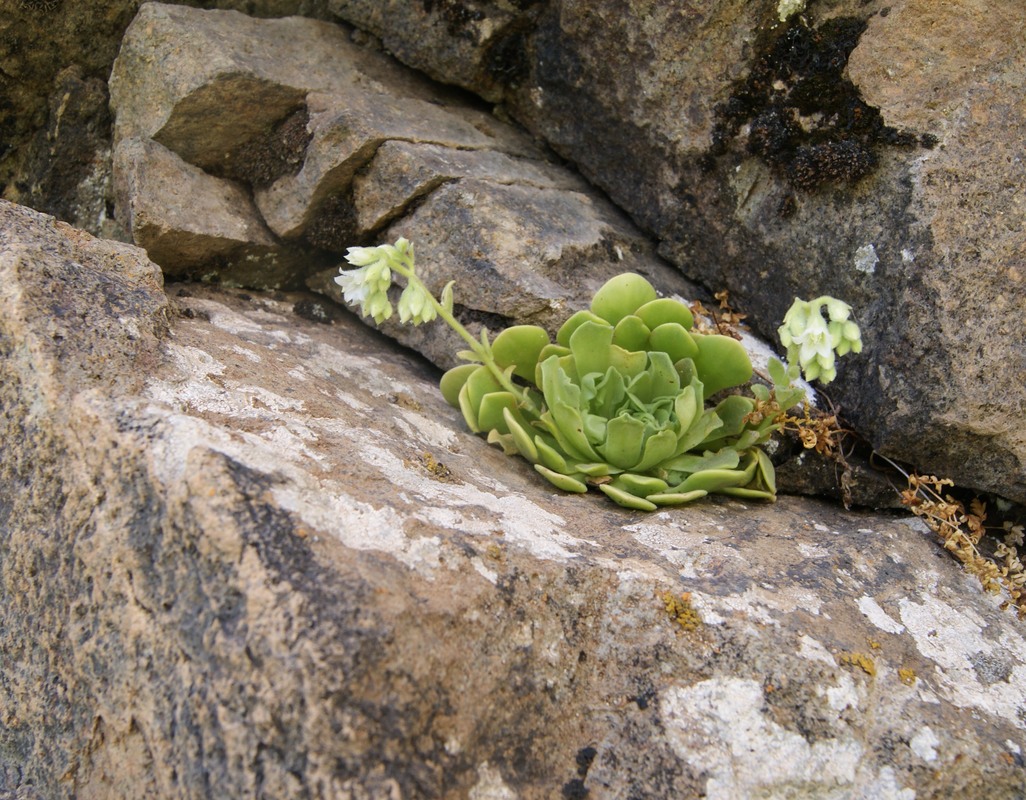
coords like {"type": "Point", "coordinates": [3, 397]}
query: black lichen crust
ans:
{"type": "Point", "coordinates": [798, 112]}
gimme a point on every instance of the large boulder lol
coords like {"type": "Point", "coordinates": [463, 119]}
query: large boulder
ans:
{"type": "Point", "coordinates": [867, 150]}
{"type": "Point", "coordinates": [247, 550]}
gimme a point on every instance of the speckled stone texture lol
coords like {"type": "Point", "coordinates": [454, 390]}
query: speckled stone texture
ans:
{"type": "Point", "coordinates": [247, 550]}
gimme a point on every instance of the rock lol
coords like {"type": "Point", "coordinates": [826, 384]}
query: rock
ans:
{"type": "Point", "coordinates": [246, 553]}
{"type": "Point", "coordinates": [197, 226]}
{"type": "Point", "coordinates": [40, 41]}
{"type": "Point", "coordinates": [866, 150]}
{"type": "Point", "coordinates": [376, 152]}
{"type": "Point", "coordinates": [453, 42]}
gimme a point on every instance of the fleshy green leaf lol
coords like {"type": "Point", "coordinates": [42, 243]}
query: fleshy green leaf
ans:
{"type": "Point", "coordinates": [490, 412]}
{"type": "Point", "coordinates": [567, 483]}
{"type": "Point", "coordinates": [676, 498]}
{"type": "Point", "coordinates": [452, 381]}
{"type": "Point", "coordinates": [523, 440]}
{"type": "Point", "coordinates": [631, 333]}
{"type": "Point", "coordinates": [520, 346]}
{"type": "Point", "coordinates": [624, 439]}
{"type": "Point", "coordinates": [576, 320]}
{"type": "Point", "coordinates": [664, 310]}
{"type": "Point", "coordinates": [673, 339]}
{"type": "Point", "coordinates": [626, 499]}
{"type": "Point", "coordinates": [590, 346]}
{"type": "Point", "coordinates": [640, 485]}
{"type": "Point", "coordinates": [721, 362]}
{"type": "Point", "coordinates": [622, 295]}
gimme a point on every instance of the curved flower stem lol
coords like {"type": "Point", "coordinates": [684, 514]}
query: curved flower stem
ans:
{"type": "Point", "coordinates": [480, 347]}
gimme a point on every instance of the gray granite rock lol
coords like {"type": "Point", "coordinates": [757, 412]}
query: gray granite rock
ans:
{"type": "Point", "coordinates": [247, 550]}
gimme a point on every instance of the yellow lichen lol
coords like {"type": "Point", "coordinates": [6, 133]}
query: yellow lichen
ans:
{"type": "Point", "coordinates": [907, 676]}
{"type": "Point", "coordinates": [680, 610]}
{"type": "Point", "coordinates": [860, 660]}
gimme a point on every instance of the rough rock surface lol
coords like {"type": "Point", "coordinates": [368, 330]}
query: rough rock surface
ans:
{"type": "Point", "coordinates": [870, 150]}
{"type": "Point", "coordinates": [342, 145]}
{"type": "Point", "coordinates": [247, 550]}
{"type": "Point", "coordinates": [55, 57]}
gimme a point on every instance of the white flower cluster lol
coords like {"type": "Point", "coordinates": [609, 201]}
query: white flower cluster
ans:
{"type": "Point", "coordinates": [368, 286]}
{"type": "Point", "coordinates": [813, 340]}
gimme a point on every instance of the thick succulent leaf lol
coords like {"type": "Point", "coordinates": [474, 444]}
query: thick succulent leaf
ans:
{"type": "Point", "coordinates": [610, 391]}
{"type": "Point", "coordinates": [707, 423]}
{"type": "Point", "coordinates": [576, 320]}
{"type": "Point", "coordinates": [640, 485]}
{"type": "Point", "coordinates": [727, 458]}
{"type": "Point", "coordinates": [746, 493]}
{"type": "Point", "coordinates": [519, 347]}
{"type": "Point", "coordinates": [505, 441]}
{"type": "Point", "coordinates": [468, 408]}
{"type": "Point", "coordinates": [598, 469]}
{"type": "Point", "coordinates": [523, 440]}
{"type": "Point", "coordinates": [676, 498]}
{"type": "Point", "coordinates": [550, 456]}
{"type": "Point", "coordinates": [590, 346]}
{"type": "Point", "coordinates": [664, 310]}
{"type": "Point", "coordinates": [631, 333]}
{"type": "Point", "coordinates": [624, 440]}
{"type": "Point", "coordinates": [595, 427]}
{"type": "Point", "coordinates": [687, 407]}
{"type": "Point", "coordinates": [563, 419]}
{"type": "Point", "coordinates": [568, 483]}
{"type": "Point", "coordinates": [673, 339]}
{"type": "Point", "coordinates": [665, 380]}
{"type": "Point", "coordinates": [479, 383]}
{"type": "Point", "coordinates": [491, 410]}
{"type": "Point", "coordinates": [721, 362]}
{"type": "Point", "coordinates": [626, 499]}
{"type": "Point", "coordinates": [622, 295]}
{"type": "Point", "coordinates": [733, 410]}
{"type": "Point", "coordinates": [658, 447]}
{"type": "Point", "coordinates": [765, 474]}
{"type": "Point", "coordinates": [629, 362]}
{"type": "Point", "coordinates": [713, 480]}
{"type": "Point", "coordinates": [452, 381]}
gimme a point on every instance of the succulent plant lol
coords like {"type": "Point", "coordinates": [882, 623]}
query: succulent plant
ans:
{"type": "Point", "coordinates": [618, 401]}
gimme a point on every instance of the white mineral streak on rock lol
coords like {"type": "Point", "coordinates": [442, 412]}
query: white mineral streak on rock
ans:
{"type": "Point", "coordinates": [844, 695]}
{"type": "Point", "coordinates": [693, 552]}
{"type": "Point", "coordinates": [756, 602]}
{"type": "Point", "coordinates": [925, 743]}
{"type": "Point", "coordinates": [814, 651]}
{"type": "Point", "coordinates": [875, 614]}
{"type": "Point", "coordinates": [490, 785]}
{"type": "Point", "coordinates": [717, 727]}
{"type": "Point", "coordinates": [950, 637]}
{"type": "Point", "coordinates": [522, 521]}
{"type": "Point", "coordinates": [866, 259]}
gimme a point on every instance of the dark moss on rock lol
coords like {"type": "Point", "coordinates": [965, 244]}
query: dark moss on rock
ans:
{"type": "Point", "coordinates": [798, 112]}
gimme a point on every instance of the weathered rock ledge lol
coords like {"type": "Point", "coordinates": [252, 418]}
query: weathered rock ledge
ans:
{"type": "Point", "coordinates": [246, 550]}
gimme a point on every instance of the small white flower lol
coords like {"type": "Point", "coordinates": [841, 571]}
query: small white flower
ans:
{"type": "Point", "coordinates": [812, 341]}
{"type": "Point", "coordinates": [415, 306]}
{"type": "Point", "coordinates": [355, 287]}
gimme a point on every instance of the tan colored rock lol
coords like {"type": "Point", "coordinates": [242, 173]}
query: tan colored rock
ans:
{"type": "Point", "coordinates": [347, 128]}
{"type": "Point", "coordinates": [197, 226]}
{"type": "Point", "coordinates": [245, 553]}
{"type": "Point", "coordinates": [403, 172]}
